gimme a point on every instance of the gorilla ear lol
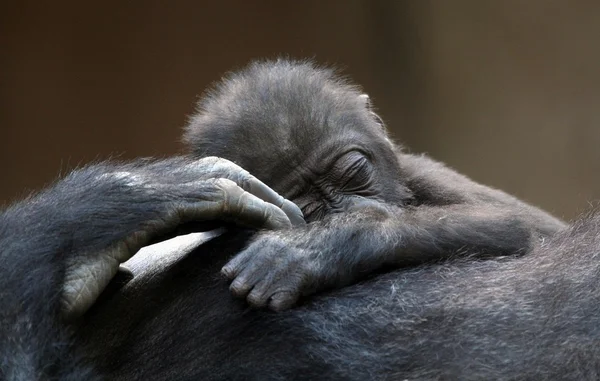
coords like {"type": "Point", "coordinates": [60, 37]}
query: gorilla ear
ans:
{"type": "Point", "coordinates": [367, 102]}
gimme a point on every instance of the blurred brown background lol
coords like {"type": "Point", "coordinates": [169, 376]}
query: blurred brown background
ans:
{"type": "Point", "coordinates": [507, 92]}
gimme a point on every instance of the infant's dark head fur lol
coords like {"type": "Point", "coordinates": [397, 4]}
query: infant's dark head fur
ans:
{"type": "Point", "coordinates": [280, 119]}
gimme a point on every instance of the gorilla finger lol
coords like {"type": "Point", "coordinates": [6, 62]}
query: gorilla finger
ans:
{"type": "Point", "coordinates": [222, 199]}
{"type": "Point", "coordinates": [237, 263]}
{"type": "Point", "coordinates": [262, 191]}
{"type": "Point", "coordinates": [229, 272]}
{"type": "Point", "coordinates": [240, 287]}
{"type": "Point", "coordinates": [85, 281]}
{"type": "Point", "coordinates": [259, 296]}
{"type": "Point", "coordinates": [226, 169]}
{"type": "Point", "coordinates": [214, 167]}
{"type": "Point", "coordinates": [247, 209]}
{"type": "Point", "coordinates": [247, 279]}
{"type": "Point", "coordinates": [283, 300]}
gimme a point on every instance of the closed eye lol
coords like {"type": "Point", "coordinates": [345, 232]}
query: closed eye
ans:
{"type": "Point", "coordinates": [358, 176]}
{"type": "Point", "coordinates": [313, 211]}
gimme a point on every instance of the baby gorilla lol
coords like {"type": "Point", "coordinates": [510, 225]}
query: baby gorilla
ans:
{"type": "Point", "coordinates": [314, 139]}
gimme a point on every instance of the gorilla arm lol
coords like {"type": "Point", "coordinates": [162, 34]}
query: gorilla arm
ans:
{"type": "Point", "coordinates": [450, 215]}
{"type": "Point", "coordinates": [60, 248]}
{"type": "Point", "coordinates": [316, 140]}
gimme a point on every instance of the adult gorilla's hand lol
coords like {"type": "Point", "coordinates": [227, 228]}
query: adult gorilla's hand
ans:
{"type": "Point", "coordinates": [59, 249]}
{"type": "Point", "coordinates": [153, 201]}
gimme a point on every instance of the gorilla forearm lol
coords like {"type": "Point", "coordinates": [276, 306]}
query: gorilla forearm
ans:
{"type": "Point", "coordinates": [433, 183]}
{"type": "Point", "coordinates": [346, 247]}
{"type": "Point", "coordinates": [39, 237]}
{"type": "Point", "coordinates": [448, 215]}
{"type": "Point", "coordinates": [531, 318]}
{"type": "Point", "coordinates": [60, 248]}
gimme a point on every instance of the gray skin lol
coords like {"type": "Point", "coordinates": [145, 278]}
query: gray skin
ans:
{"type": "Point", "coordinates": [369, 207]}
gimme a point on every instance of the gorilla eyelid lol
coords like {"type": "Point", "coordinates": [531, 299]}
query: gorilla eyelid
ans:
{"type": "Point", "coordinates": [312, 210]}
{"type": "Point", "coordinates": [357, 176]}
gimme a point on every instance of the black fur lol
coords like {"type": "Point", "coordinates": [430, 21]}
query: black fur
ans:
{"type": "Point", "coordinates": [530, 317]}
{"type": "Point", "coordinates": [105, 211]}
{"type": "Point", "coordinates": [535, 317]}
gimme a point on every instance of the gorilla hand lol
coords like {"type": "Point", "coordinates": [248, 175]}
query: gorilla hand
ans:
{"type": "Point", "coordinates": [280, 266]}
{"type": "Point", "coordinates": [138, 204]}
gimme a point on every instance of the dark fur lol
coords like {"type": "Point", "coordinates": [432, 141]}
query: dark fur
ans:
{"type": "Point", "coordinates": [530, 317]}
{"type": "Point", "coordinates": [302, 130]}
{"type": "Point", "coordinates": [74, 221]}
{"type": "Point", "coordinates": [536, 317]}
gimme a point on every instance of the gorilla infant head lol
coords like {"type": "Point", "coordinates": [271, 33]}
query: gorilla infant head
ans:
{"type": "Point", "coordinates": [315, 140]}
{"type": "Point", "coordinates": [312, 125]}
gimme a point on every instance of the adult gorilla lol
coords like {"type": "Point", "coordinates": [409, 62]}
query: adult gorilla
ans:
{"type": "Point", "coordinates": [369, 206]}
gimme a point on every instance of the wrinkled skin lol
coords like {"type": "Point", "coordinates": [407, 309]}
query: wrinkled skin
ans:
{"type": "Point", "coordinates": [369, 207]}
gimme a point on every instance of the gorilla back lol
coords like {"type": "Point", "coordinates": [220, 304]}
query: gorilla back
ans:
{"type": "Point", "coordinates": [369, 207]}
{"type": "Point", "coordinates": [535, 317]}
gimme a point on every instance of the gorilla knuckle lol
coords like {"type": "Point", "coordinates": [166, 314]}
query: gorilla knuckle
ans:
{"type": "Point", "coordinates": [257, 299]}
{"type": "Point", "coordinates": [239, 287]}
{"type": "Point", "coordinates": [228, 272]}
{"type": "Point", "coordinates": [225, 184]}
{"type": "Point", "coordinates": [236, 264]}
{"type": "Point", "coordinates": [211, 160]}
{"type": "Point", "coordinates": [282, 300]}
{"type": "Point", "coordinates": [223, 166]}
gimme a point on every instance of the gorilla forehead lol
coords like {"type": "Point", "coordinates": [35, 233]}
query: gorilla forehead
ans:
{"type": "Point", "coordinates": [277, 112]}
